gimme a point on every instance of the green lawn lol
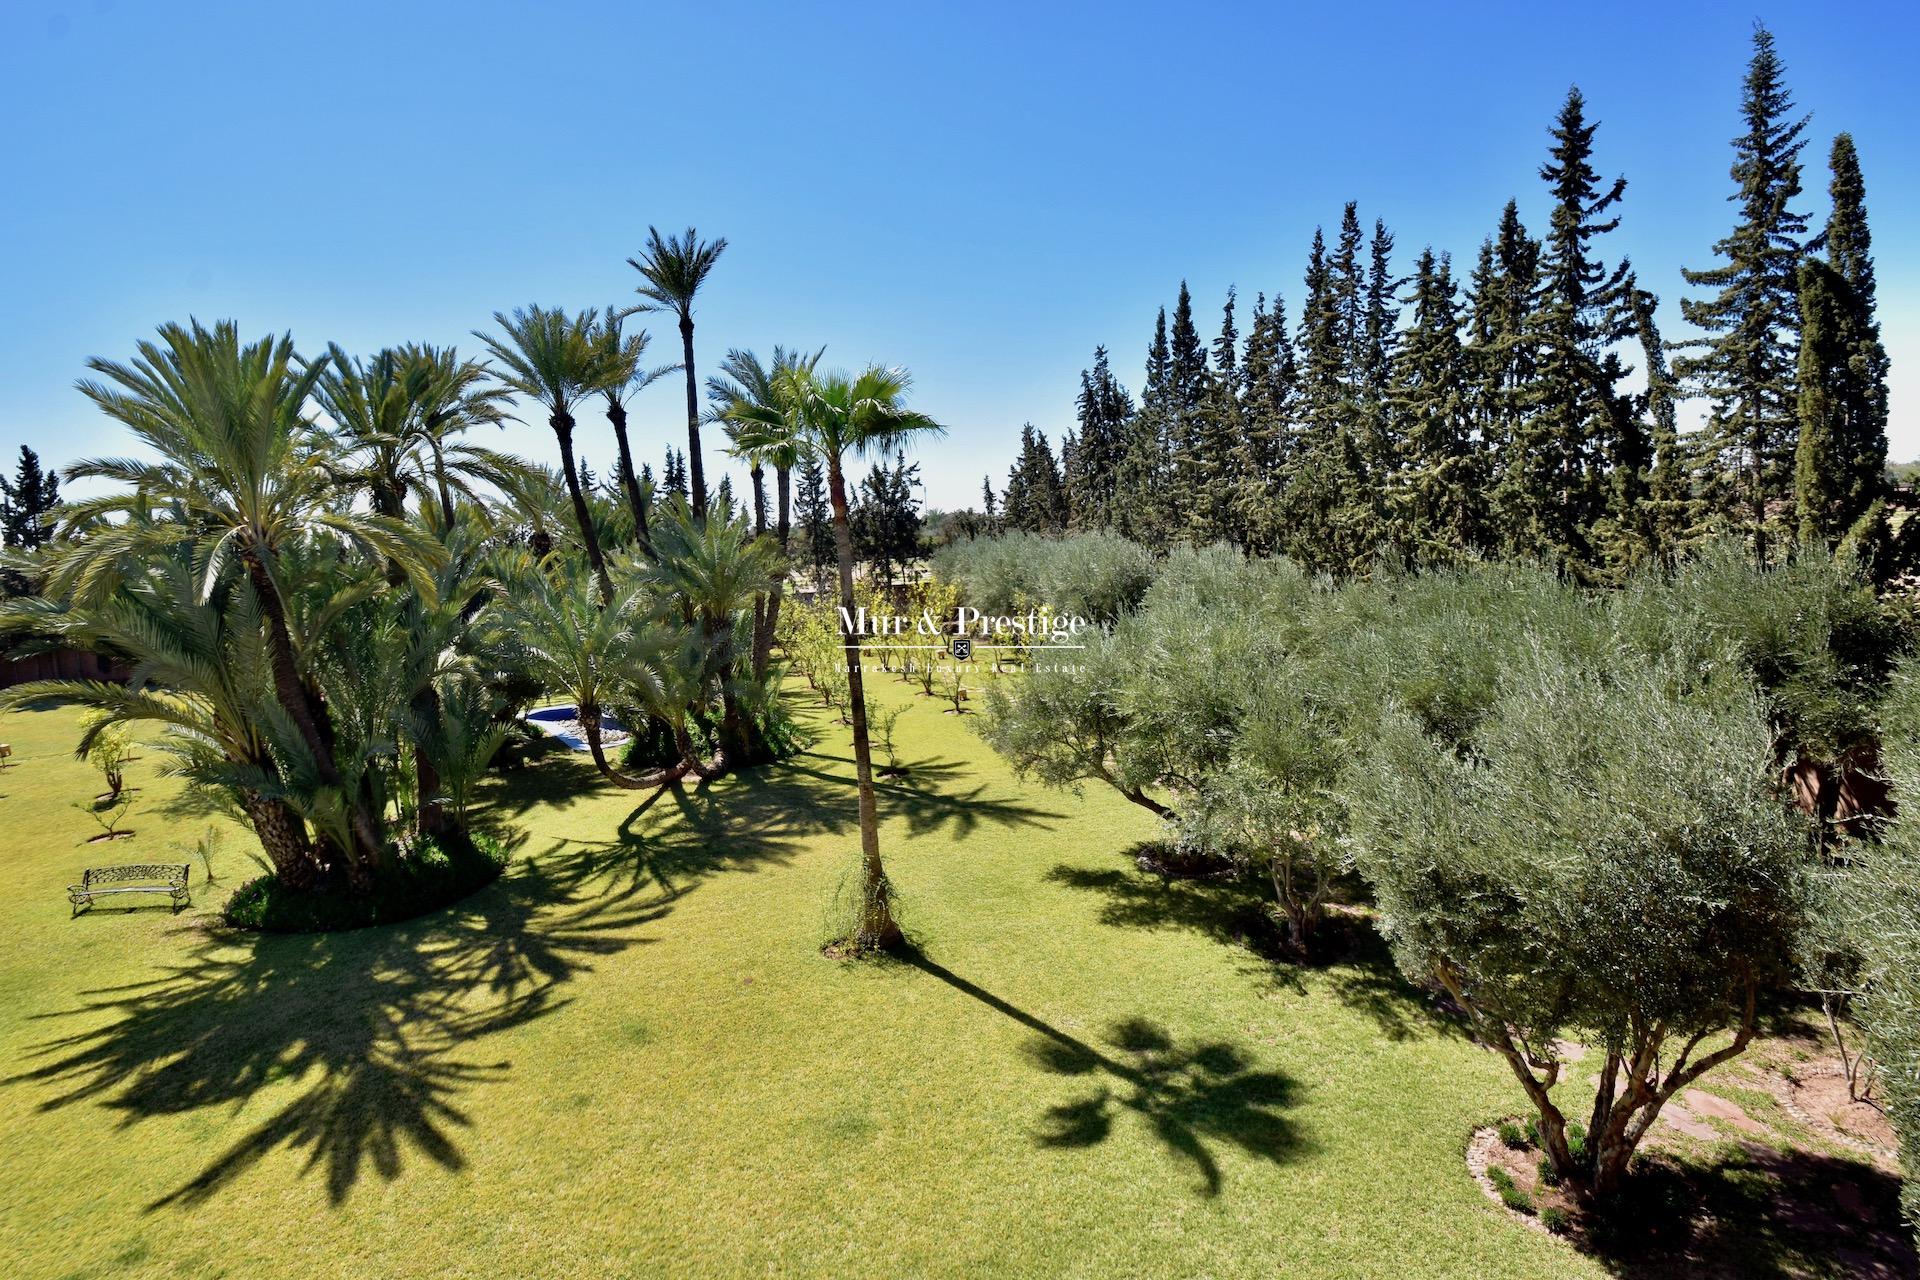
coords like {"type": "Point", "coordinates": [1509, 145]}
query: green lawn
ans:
{"type": "Point", "coordinates": [629, 1057]}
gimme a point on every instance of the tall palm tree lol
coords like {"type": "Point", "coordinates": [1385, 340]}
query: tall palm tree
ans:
{"type": "Point", "coordinates": [673, 268]}
{"type": "Point", "coordinates": [756, 403]}
{"type": "Point", "coordinates": [622, 376]}
{"type": "Point", "coordinates": [555, 359]}
{"type": "Point", "coordinates": [241, 463]}
{"type": "Point", "coordinates": [839, 414]}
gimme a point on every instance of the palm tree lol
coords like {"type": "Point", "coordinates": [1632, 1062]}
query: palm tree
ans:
{"type": "Point", "coordinates": [555, 359]}
{"type": "Point", "coordinates": [243, 469]}
{"type": "Point", "coordinates": [759, 412]}
{"type": "Point", "coordinates": [674, 268]}
{"type": "Point", "coordinates": [716, 570]}
{"type": "Point", "coordinates": [838, 414]}
{"type": "Point", "coordinates": [199, 670]}
{"type": "Point", "coordinates": [450, 395]}
{"type": "Point", "coordinates": [621, 377]}
{"type": "Point", "coordinates": [596, 652]}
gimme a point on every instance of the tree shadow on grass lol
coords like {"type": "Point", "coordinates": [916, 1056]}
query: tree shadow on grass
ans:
{"type": "Point", "coordinates": [380, 1027]}
{"type": "Point", "coordinates": [929, 798]}
{"type": "Point", "coordinates": [1188, 1096]}
{"type": "Point", "coordinates": [1356, 965]}
{"type": "Point", "coordinates": [1757, 1213]}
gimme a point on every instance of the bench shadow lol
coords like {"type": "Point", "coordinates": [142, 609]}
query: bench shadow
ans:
{"type": "Point", "coordinates": [1191, 1097]}
{"type": "Point", "coordinates": [384, 1029]}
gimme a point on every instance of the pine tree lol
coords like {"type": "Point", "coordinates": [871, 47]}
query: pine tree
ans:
{"type": "Point", "coordinates": [1213, 443]}
{"type": "Point", "coordinates": [1268, 377]}
{"type": "Point", "coordinates": [1746, 366]}
{"type": "Point", "coordinates": [1142, 508]}
{"type": "Point", "coordinates": [1436, 504]}
{"type": "Point", "coordinates": [992, 504]}
{"type": "Point", "coordinates": [1577, 421]}
{"type": "Point", "coordinates": [25, 501]}
{"type": "Point", "coordinates": [1035, 498]}
{"type": "Point", "coordinates": [1841, 457]}
{"type": "Point", "coordinates": [1669, 507]}
{"type": "Point", "coordinates": [815, 518]}
{"type": "Point", "coordinates": [1502, 364]}
{"type": "Point", "coordinates": [673, 476]}
{"type": "Point", "coordinates": [1093, 464]}
{"type": "Point", "coordinates": [1323, 496]}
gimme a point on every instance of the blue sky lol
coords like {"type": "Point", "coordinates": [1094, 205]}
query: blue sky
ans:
{"type": "Point", "coordinates": [981, 193]}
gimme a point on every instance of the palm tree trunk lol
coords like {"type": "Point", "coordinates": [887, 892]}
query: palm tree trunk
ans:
{"type": "Point", "coordinates": [291, 692]}
{"type": "Point", "coordinates": [696, 470]}
{"type": "Point", "coordinates": [589, 714]}
{"type": "Point", "coordinates": [617, 415]}
{"type": "Point", "coordinates": [562, 424]}
{"type": "Point", "coordinates": [783, 527]}
{"type": "Point", "coordinates": [877, 927]}
{"type": "Point", "coordinates": [284, 838]}
{"type": "Point", "coordinates": [430, 815]}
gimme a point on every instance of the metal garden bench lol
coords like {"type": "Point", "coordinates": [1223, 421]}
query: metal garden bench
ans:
{"type": "Point", "coordinates": [99, 882]}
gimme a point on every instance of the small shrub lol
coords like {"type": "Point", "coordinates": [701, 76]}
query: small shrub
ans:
{"type": "Point", "coordinates": [1555, 1219]}
{"type": "Point", "coordinates": [430, 875]}
{"type": "Point", "coordinates": [1549, 1176]}
{"type": "Point", "coordinates": [1512, 1136]}
{"type": "Point", "coordinates": [1510, 1194]}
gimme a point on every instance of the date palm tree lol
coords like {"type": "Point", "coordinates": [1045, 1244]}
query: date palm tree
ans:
{"type": "Point", "coordinates": [555, 360]}
{"type": "Point", "coordinates": [672, 269]}
{"type": "Point", "coordinates": [449, 396]}
{"type": "Point", "coordinates": [621, 377]}
{"type": "Point", "coordinates": [244, 472]}
{"type": "Point", "coordinates": [759, 412]}
{"type": "Point", "coordinates": [838, 414]}
{"type": "Point", "coordinates": [199, 671]}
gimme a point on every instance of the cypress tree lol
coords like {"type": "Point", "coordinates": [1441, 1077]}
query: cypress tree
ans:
{"type": "Point", "coordinates": [1841, 457]}
{"type": "Point", "coordinates": [673, 475]}
{"type": "Point", "coordinates": [1746, 366]}
{"type": "Point", "coordinates": [1669, 508]}
{"type": "Point", "coordinates": [1213, 440]}
{"type": "Point", "coordinates": [1323, 488]}
{"type": "Point", "coordinates": [1140, 481]}
{"type": "Point", "coordinates": [816, 519]}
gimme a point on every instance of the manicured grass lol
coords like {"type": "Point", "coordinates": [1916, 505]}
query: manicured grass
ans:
{"type": "Point", "coordinates": [628, 1057]}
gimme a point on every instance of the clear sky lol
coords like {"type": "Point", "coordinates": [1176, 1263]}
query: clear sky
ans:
{"type": "Point", "coordinates": [978, 192]}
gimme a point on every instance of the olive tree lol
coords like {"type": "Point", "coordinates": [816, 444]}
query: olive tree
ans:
{"type": "Point", "coordinates": [1887, 935]}
{"type": "Point", "coordinates": [1606, 859]}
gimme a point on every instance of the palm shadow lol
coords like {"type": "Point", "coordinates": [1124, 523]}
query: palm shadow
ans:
{"type": "Point", "coordinates": [382, 1027]}
{"type": "Point", "coordinates": [929, 799]}
{"type": "Point", "coordinates": [1188, 1096]}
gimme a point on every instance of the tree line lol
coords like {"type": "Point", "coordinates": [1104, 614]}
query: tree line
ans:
{"type": "Point", "coordinates": [1527, 410]}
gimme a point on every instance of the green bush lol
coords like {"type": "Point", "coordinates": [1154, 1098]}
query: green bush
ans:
{"type": "Point", "coordinates": [430, 875]}
{"type": "Point", "coordinates": [1549, 1176]}
{"type": "Point", "coordinates": [1510, 1194]}
{"type": "Point", "coordinates": [1512, 1136]}
{"type": "Point", "coordinates": [1555, 1219]}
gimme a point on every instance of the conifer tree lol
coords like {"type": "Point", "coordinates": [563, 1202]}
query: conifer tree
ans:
{"type": "Point", "coordinates": [816, 519]}
{"type": "Point", "coordinates": [1268, 377]}
{"type": "Point", "coordinates": [673, 475]}
{"type": "Point", "coordinates": [1140, 490]}
{"type": "Point", "coordinates": [1035, 499]}
{"type": "Point", "coordinates": [1841, 457]}
{"type": "Point", "coordinates": [1323, 488]}
{"type": "Point", "coordinates": [1746, 365]}
{"type": "Point", "coordinates": [990, 503]}
{"type": "Point", "coordinates": [1094, 461]}
{"type": "Point", "coordinates": [1502, 364]}
{"type": "Point", "coordinates": [1577, 420]}
{"type": "Point", "coordinates": [25, 502]}
{"type": "Point", "coordinates": [1436, 505]}
{"type": "Point", "coordinates": [1669, 514]}
{"type": "Point", "coordinates": [1213, 443]}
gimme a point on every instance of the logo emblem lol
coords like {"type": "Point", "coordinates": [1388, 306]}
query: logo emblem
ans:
{"type": "Point", "coordinates": [962, 648]}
